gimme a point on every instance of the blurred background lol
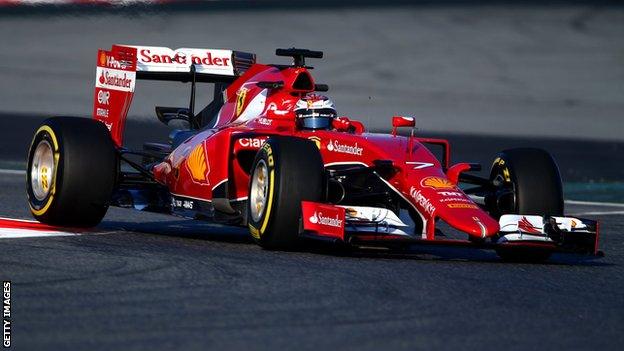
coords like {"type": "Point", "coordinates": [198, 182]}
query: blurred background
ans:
{"type": "Point", "coordinates": [488, 75]}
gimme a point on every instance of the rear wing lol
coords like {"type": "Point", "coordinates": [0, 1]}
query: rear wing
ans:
{"type": "Point", "coordinates": [119, 68]}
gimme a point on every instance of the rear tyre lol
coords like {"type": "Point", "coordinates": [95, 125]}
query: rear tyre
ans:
{"type": "Point", "coordinates": [533, 178]}
{"type": "Point", "coordinates": [72, 166]}
{"type": "Point", "coordinates": [285, 172]}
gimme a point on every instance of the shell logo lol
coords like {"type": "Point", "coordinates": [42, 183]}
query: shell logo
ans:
{"type": "Point", "coordinates": [102, 59]}
{"type": "Point", "coordinates": [437, 183]}
{"type": "Point", "coordinates": [197, 165]}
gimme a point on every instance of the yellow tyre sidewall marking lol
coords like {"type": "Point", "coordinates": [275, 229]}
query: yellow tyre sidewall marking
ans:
{"type": "Point", "coordinates": [269, 204]}
{"type": "Point", "coordinates": [44, 209]}
{"type": "Point", "coordinates": [506, 173]}
{"type": "Point", "coordinates": [255, 232]}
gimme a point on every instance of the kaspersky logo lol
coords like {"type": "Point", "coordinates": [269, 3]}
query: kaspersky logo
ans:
{"type": "Point", "coordinates": [318, 218]}
{"type": "Point", "coordinates": [422, 200]}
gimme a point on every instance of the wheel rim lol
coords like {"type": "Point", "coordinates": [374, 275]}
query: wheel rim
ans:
{"type": "Point", "coordinates": [42, 170]}
{"type": "Point", "coordinates": [259, 188]}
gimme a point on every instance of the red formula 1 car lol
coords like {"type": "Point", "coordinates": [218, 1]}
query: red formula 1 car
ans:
{"type": "Point", "coordinates": [269, 153]}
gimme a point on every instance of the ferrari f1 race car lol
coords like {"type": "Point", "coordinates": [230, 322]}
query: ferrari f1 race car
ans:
{"type": "Point", "coordinates": [270, 154]}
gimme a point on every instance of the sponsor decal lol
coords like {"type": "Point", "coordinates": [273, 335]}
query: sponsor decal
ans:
{"type": "Point", "coordinates": [103, 97]}
{"type": "Point", "coordinates": [462, 205]}
{"type": "Point", "coordinates": [184, 204]}
{"type": "Point", "coordinates": [506, 174]}
{"type": "Point", "coordinates": [524, 225]}
{"type": "Point", "coordinates": [255, 143]}
{"type": "Point", "coordinates": [267, 148]}
{"type": "Point", "coordinates": [205, 58]}
{"type": "Point", "coordinates": [264, 121]}
{"type": "Point", "coordinates": [316, 140]}
{"type": "Point", "coordinates": [115, 79]}
{"type": "Point", "coordinates": [241, 94]}
{"type": "Point", "coordinates": [102, 112]}
{"type": "Point", "coordinates": [455, 199]}
{"type": "Point", "coordinates": [196, 164]}
{"type": "Point", "coordinates": [111, 62]}
{"type": "Point", "coordinates": [318, 218]}
{"type": "Point", "coordinates": [437, 183]}
{"type": "Point", "coordinates": [422, 200]}
{"type": "Point", "coordinates": [323, 219]}
{"type": "Point", "coordinates": [109, 126]}
{"type": "Point", "coordinates": [450, 193]}
{"type": "Point", "coordinates": [336, 146]}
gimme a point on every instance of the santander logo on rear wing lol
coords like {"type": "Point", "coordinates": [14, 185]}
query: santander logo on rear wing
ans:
{"type": "Point", "coordinates": [119, 68]}
{"type": "Point", "coordinates": [207, 61]}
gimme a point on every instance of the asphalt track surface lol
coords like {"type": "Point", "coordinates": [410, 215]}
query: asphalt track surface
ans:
{"type": "Point", "coordinates": [488, 78]}
{"type": "Point", "coordinates": [157, 282]}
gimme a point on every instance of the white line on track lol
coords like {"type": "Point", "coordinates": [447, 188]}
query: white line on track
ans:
{"type": "Point", "coordinates": [591, 203]}
{"type": "Point", "coordinates": [598, 213]}
{"type": "Point", "coordinates": [12, 171]}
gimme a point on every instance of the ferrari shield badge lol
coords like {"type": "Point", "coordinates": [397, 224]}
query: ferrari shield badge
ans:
{"type": "Point", "coordinates": [240, 100]}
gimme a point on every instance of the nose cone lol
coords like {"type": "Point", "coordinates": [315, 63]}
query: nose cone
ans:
{"type": "Point", "coordinates": [471, 220]}
{"type": "Point", "coordinates": [436, 196]}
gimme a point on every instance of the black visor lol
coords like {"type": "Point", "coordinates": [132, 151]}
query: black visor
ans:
{"type": "Point", "coordinates": [315, 118]}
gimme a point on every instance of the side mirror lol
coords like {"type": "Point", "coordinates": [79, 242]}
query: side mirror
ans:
{"type": "Point", "coordinates": [177, 117]}
{"type": "Point", "coordinates": [402, 121]}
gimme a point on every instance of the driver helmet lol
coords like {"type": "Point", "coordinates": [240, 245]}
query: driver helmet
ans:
{"type": "Point", "coordinates": [315, 111]}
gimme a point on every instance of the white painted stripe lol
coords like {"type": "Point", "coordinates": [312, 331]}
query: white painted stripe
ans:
{"type": "Point", "coordinates": [12, 171]}
{"type": "Point", "coordinates": [19, 220]}
{"type": "Point", "coordinates": [591, 203]}
{"type": "Point", "coordinates": [29, 233]}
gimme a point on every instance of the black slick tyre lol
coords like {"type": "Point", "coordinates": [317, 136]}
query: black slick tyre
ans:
{"type": "Point", "coordinates": [72, 166]}
{"type": "Point", "coordinates": [285, 172]}
{"type": "Point", "coordinates": [533, 177]}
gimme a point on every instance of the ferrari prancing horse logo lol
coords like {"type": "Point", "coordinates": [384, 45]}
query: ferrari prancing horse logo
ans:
{"type": "Point", "coordinates": [241, 94]}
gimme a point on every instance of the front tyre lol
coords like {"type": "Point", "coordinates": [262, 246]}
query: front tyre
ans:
{"type": "Point", "coordinates": [532, 179]}
{"type": "Point", "coordinates": [285, 172]}
{"type": "Point", "coordinates": [72, 166]}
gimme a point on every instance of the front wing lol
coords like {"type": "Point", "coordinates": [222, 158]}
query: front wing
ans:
{"type": "Point", "coordinates": [365, 226]}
